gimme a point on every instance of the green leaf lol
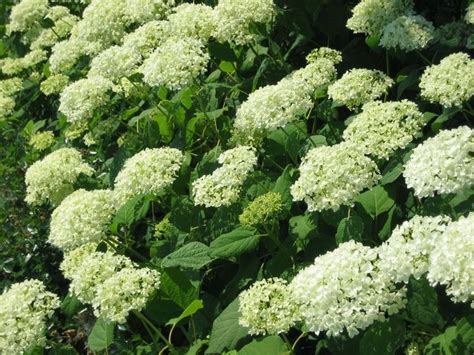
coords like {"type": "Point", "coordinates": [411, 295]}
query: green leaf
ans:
{"type": "Point", "coordinates": [283, 185]}
{"type": "Point", "coordinates": [226, 331]}
{"type": "Point", "coordinates": [383, 337]}
{"type": "Point", "coordinates": [131, 212]}
{"type": "Point", "coordinates": [178, 287]}
{"type": "Point", "coordinates": [102, 335]}
{"type": "Point", "coordinates": [71, 305]}
{"type": "Point", "coordinates": [63, 349]}
{"type": "Point", "coordinates": [193, 255]}
{"type": "Point", "coordinates": [392, 175]}
{"type": "Point", "coordinates": [195, 306]}
{"type": "Point", "coordinates": [422, 304]}
{"type": "Point", "coordinates": [227, 67]}
{"type": "Point", "coordinates": [222, 51]}
{"type": "Point", "coordinates": [302, 229]}
{"type": "Point", "coordinates": [372, 41]}
{"type": "Point", "coordinates": [458, 339]}
{"type": "Point", "coordinates": [239, 241]}
{"type": "Point", "coordinates": [350, 228]}
{"type": "Point", "coordinates": [376, 201]}
{"type": "Point", "coordinates": [117, 163]}
{"type": "Point", "coordinates": [269, 345]}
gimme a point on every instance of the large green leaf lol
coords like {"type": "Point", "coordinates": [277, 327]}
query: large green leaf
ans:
{"type": "Point", "coordinates": [193, 255]}
{"type": "Point", "coordinates": [350, 228]}
{"type": "Point", "coordinates": [102, 335]}
{"type": "Point", "coordinates": [195, 306]}
{"type": "Point", "coordinates": [178, 287]}
{"type": "Point", "coordinates": [239, 241]}
{"type": "Point", "coordinates": [131, 212]}
{"type": "Point", "coordinates": [458, 339]}
{"type": "Point", "coordinates": [269, 345]}
{"type": "Point", "coordinates": [383, 337]}
{"type": "Point", "coordinates": [423, 303]}
{"type": "Point", "coordinates": [376, 201]}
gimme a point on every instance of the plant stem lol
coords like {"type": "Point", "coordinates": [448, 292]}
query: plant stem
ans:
{"type": "Point", "coordinates": [144, 319]}
{"type": "Point", "coordinates": [302, 335]}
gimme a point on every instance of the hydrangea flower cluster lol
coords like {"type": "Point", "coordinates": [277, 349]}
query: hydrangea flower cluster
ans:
{"type": "Point", "coordinates": [65, 54]}
{"type": "Point", "coordinates": [383, 127]}
{"type": "Point", "coordinates": [55, 84]}
{"type": "Point", "coordinates": [453, 34]}
{"type": "Point", "coordinates": [115, 62]}
{"type": "Point", "coordinates": [333, 55]}
{"type": "Point", "coordinates": [145, 38]}
{"type": "Point", "coordinates": [264, 209]}
{"type": "Point", "coordinates": [451, 265]}
{"type": "Point", "coordinates": [268, 307]}
{"type": "Point", "coordinates": [176, 63]}
{"type": "Point", "coordinates": [359, 86]}
{"type": "Point", "coordinates": [371, 16]}
{"type": "Point", "coordinates": [344, 290]}
{"type": "Point", "coordinates": [80, 99]}
{"type": "Point", "coordinates": [13, 66]}
{"type": "Point", "coordinates": [223, 186]}
{"type": "Point", "coordinates": [26, 14]}
{"type": "Point", "coordinates": [406, 253]}
{"type": "Point", "coordinates": [442, 164]}
{"type": "Point", "coordinates": [236, 18]}
{"type": "Point", "coordinates": [333, 176]}
{"type": "Point", "coordinates": [42, 140]}
{"type": "Point", "coordinates": [449, 83]}
{"type": "Point", "coordinates": [52, 178]}
{"type": "Point", "coordinates": [191, 20]}
{"type": "Point", "coordinates": [24, 309]}
{"type": "Point", "coordinates": [8, 88]}
{"type": "Point", "coordinates": [469, 17]}
{"type": "Point", "coordinates": [82, 217]}
{"type": "Point", "coordinates": [407, 33]}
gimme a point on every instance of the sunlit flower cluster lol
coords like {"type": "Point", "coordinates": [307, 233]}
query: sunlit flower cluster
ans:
{"type": "Point", "coordinates": [268, 307]}
{"type": "Point", "coordinates": [150, 171]}
{"type": "Point", "coordinates": [115, 62]}
{"type": "Point", "coordinates": [407, 33]}
{"type": "Point", "coordinates": [7, 106]}
{"type": "Point", "coordinates": [24, 309]}
{"type": "Point", "coordinates": [42, 140]}
{"type": "Point", "coordinates": [65, 54]}
{"type": "Point", "coordinates": [451, 82]}
{"type": "Point", "coordinates": [442, 164]}
{"type": "Point", "coordinates": [145, 38]}
{"type": "Point", "coordinates": [333, 55]}
{"type": "Point", "coordinates": [451, 264]}
{"type": "Point", "coordinates": [26, 14]}
{"type": "Point", "coordinates": [345, 291]}
{"type": "Point", "coordinates": [55, 84]}
{"type": "Point", "coordinates": [191, 20]}
{"type": "Point", "coordinates": [52, 178]}
{"type": "Point", "coordinates": [383, 127]}
{"type": "Point", "coordinates": [359, 86]}
{"type": "Point", "coordinates": [333, 176]}
{"type": "Point", "coordinates": [223, 186]}
{"type": "Point", "coordinates": [264, 209]}
{"type": "Point", "coordinates": [13, 66]}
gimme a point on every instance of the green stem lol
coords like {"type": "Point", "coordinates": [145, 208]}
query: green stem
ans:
{"type": "Point", "coordinates": [110, 241]}
{"type": "Point", "coordinates": [144, 319]}
{"type": "Point", "coordinates": [293, 347]}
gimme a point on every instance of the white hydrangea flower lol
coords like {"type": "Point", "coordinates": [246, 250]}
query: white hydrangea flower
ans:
{"type": "Point", "coordinates": [371, 16]}
{"type": "Point", "coordinates": [142, 11]}
{"type": "Point", "coordinates": [145, 38]}
{"type": "Point", "coordinates": [223, 186]}
{"type": "Point", "coordinates": [176, 63]}
{"type": "Point", "coordinates": [316, 74]}
{"type": "Point", "coordinates": [333, 176]}
{"type": "Point", "coordinates": [51, 179]}
{"type": "Point", "coordinates": [147, 172]}
{"type": "Point", "coordinates": [127, 290]}
{"type": "Point", "coordinates": [88, 270]}
{"type": "Point", "coordinates": [236, 18]}
{"type": "Point", "coordinates": [191, 20]}
{"type": "Point", "coordinates": [268, 307]}
{"type": "Point", "coordinates": [26, 14]}
{"type": "Point", "coordinates": [407, 33]}
{"type": "Point", "coordinates": [469, 17]}
{"type": "Point", "coordinates": [344, 290]}
{"type": "Point", "coordinates": [7, 106]}
{"type": "Point", "coordinates": [406, 253]}
{"type": "Point", "coordinates": [24, 309]}
{"type": "Point", "coordinates": [82, 217]}
{"type": "Point", "coordinates": [115, 63]}
{"type": "Point", "coordinates": [442, 164]}
{"type": "Point", "coordinates": [10, 87]}
{"type": "Point", "coordinates": [383, 127]}
{"type": "Point", "coordinates": [331, 54]}
{"type": "Point", "coordinates": [451, 262]}
{"type": "Point", "coordinates": [449, 83]}
{"type": "Point", "coordinates": [65, 54]}
{"type": "Point", "coordinates": [54, 84]}
{"type": "Point", "coordinates": [42, 140]}
{"type": "Point", "coordinates": [13, 66]}
{"type": "Point", "coordinates": [80, 99]}
{"type": "Point", "coordinates": [359, 86]}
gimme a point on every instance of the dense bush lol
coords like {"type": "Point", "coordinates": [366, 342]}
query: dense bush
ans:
{"type": "Point", "coordinates": [236, 176]}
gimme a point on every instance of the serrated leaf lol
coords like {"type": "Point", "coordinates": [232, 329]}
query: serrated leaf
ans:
{"type": "Point", "coordinates": [458, 339]}
{"type": "Point", "coordinates": [71, 305]}
{"type": "Point", "coordinates": [376, 201]}
{"type": "Point", "coordinates": [269, 345]}
{"type": "Point", "coordinates": [194, 306]}
{"type": "Point", "coordinates": [350, 228]}
{"type": "Point", "coordinates": [423, 303]}
{"type": "Point", "coordinates": [241, 240]}
{"type": "Point", "coordinates": [283, 185]}
{"type": "Point", "coordinates": [383, 337]}
{"type": "Point", "coordinates": [102, 335]}
{"type": "Point", "coordinates": [132, 211]}
{"type": "Point", "coordinates": [178, 287]}
{"type": "Point", "coordinates": [193, 255]}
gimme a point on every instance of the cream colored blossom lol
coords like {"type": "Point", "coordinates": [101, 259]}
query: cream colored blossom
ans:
{"type": "Point", "coordinates": [407, 33]}
{"type": "Point", "coordinates": [42, 140]}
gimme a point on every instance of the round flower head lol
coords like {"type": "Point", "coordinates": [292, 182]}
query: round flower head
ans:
{"type": "Point", "coordinates": [407, 33]}
{"type": "Point", "coordinates": [359, 86]}
{"type": "Point", "coordinates": [82, 217]}
{"type": "Point", "coordinates": [451, 262]}
{"type": "Point", "coordinates": [13, 66]}
{"type": "Point", "coordinates": [333, 176]}
{"type": "Point", "coordinates": [383, 127]}
{"type": "Point", "coordinates": [236, 19]}
{"type": "Point", "coordinates": [65, 54]}
{"type": "Point", "coordinates": [80, 99]}
{"type": "Point", "coordinates": [469, 17]}
{"type": "Point", "coordinates": [26, 14]}
{"type": "Point", "coordinates": [333, 55]}
{"type": "Point", "coordinates": [267, 307]}
{"type": "Point", "coordinates": [42, 140]}
{"type": "Point", "coordinates": [129, 289]}
{"type": "Point", "coordinates": [54, 84]}
{"type": "Point", "coordinates": [147, 172]}
{"type": "Point", "coordinates": [264, 209]}
{"type": "Point", "coordinates": [406, 253]}
{"type": "Point", "coordinates": [24, 309]}
{"type": "Point", "coordinates": [191, 20]}
{"type": "Point", "coordinates": [176, 63]}
{"type": "Point", "coordinates": [442, 164]}
{"type": "Point", "coordinates": [223, 186]}
{"type": "Point", "coordinates": [371, 16]}
{"type": "Point", "coordinates": [7, 106]}
{"type": "Point", "coordinates": [115, 63]}
{"type": "Point", "coordinates": [453, 34]}
{"type": "Point", "coordinates": [345, 291]}
{"type": "Point", "coordinates": [145, 38]}
{"type": "Point", "coordinates": [52, 178]}
{"type": "Point", "coordinates": [316, 74]}
{"type": "Point", "coordinates": [88, 270]}
{"type": "Point", "coordinates": [449, 83]}
{"type": "Point", "coordinates": [142, 11]}
{"type": "Point", "coordinates": [10, 87]}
